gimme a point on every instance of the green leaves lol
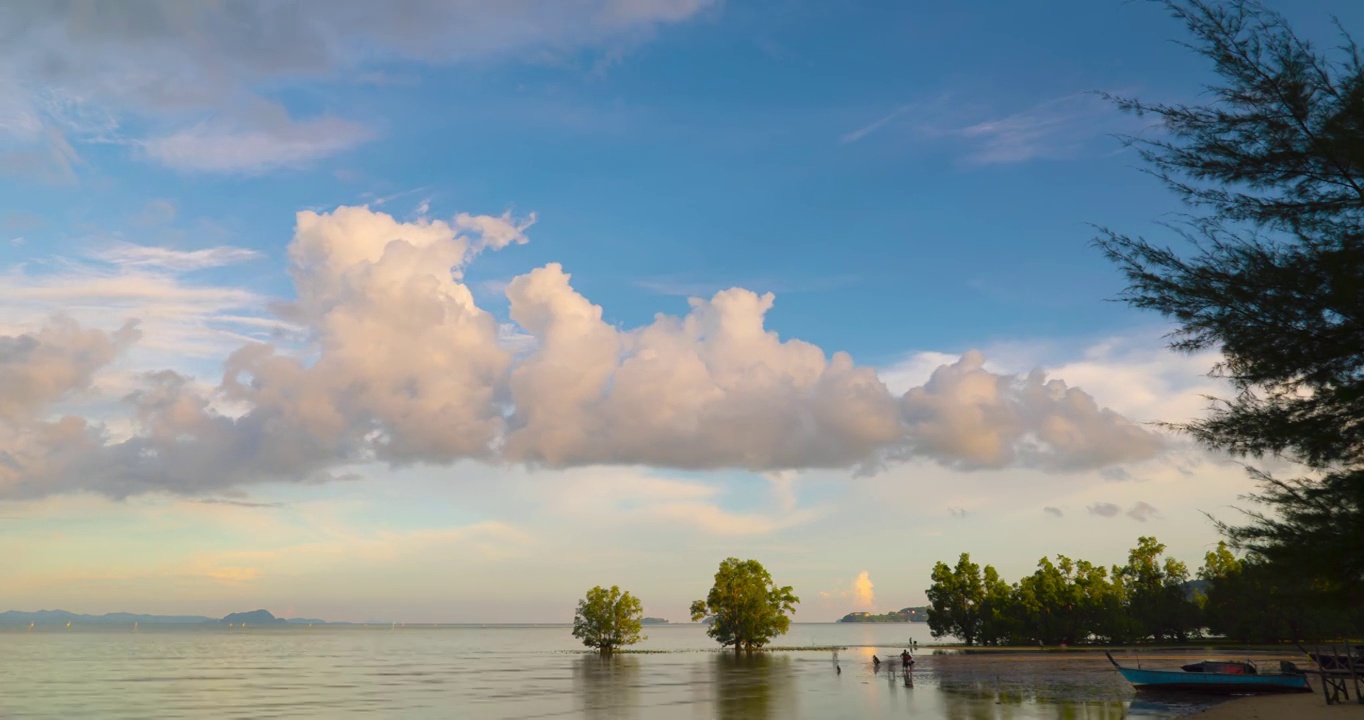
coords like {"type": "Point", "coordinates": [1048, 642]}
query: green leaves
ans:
{"type": "Point", "coordinates": [1065, 601]}
{"type": "Point", "coordinates": [608, 619]}
{"type": "Point", "coordinates": [1273, 275]}
{"type": "Point", "coordinates": [745, 607]}
{"type": "Point", "coordinates": [955, 600]}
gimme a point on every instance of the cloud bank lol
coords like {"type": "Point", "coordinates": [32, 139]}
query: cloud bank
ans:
{"type": "Point", "coordinates": [401, 366]}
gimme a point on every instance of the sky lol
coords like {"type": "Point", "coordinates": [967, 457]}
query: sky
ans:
{"type": "Point", "coordinates": [449, 311]}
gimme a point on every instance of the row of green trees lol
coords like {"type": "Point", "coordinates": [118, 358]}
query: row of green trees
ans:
{"type": "Point", "coordinates": [1151, 598]}
{"type": "Point", "coordinates": [745, 609]}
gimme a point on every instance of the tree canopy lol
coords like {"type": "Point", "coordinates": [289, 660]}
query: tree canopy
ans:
{"type": "Point", "coordinates": [955, 598]}
{"type": "Point", "coordinates": [608, 619]}
{"type": "Point", "coordinates": [1151, 598]}
{"type": "Point", "coordinates": [745, 607]}
{"type": "Point", "coordinates": [1067, 601]}
{"type": "Point", "coordinates": [1272, 170]}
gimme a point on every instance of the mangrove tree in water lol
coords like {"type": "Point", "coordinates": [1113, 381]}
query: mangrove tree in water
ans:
{"type": "Point", "coordinates": [608, 619]}
{"type": "Point", "coordinates": [745, 608]}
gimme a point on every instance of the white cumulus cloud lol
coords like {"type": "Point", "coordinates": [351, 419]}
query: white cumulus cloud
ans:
{"type": "Point", "coordinates": [968, 416]}
{"type": "Point", "coordinates": [400, 365]}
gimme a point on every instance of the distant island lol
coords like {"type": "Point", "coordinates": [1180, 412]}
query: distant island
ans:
{"type": "Point", "coordinates": [653, 621]}
{"type": "Point", "coordinates": [254, 617]}
{"type": "Point", "coordinates": [909, 614]}
{"type": "Point", "coordinates": [62, 617]}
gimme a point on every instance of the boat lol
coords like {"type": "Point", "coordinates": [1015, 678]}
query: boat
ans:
{"type": "Point", "coordinates": [1228, 667]}
{"type": "Point", "coordinates": [1206, 680]}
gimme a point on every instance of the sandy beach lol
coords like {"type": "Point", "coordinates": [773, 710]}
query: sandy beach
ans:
{"type": "Point", "coordinates": [1278, 707]}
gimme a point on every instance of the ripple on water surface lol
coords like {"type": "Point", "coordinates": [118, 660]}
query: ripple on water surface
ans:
{"type": "Point", "coordinates": [536, 672]}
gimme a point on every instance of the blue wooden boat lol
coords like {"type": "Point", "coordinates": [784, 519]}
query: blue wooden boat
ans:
{"type": "Point", "coordinates": [1238, 683]}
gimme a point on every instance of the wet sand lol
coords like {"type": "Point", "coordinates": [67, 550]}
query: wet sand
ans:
{"type": "Point", "coordinates": [1275, 707]}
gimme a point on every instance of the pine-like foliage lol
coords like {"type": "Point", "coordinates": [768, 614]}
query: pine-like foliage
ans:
{"type": "Point", "coordinates": [1272, 168]}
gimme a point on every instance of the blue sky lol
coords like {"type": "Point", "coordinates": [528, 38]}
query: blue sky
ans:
{"type": "Point", "coordinates": [910, 181]}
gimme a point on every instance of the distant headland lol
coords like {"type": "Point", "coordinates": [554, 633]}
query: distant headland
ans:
{"type": "Point", "coordinates": [62, 617]}
{"type": "Point", "coordinates": [909, 614]}
{"type": "Point", "coordinates": [653, 621]}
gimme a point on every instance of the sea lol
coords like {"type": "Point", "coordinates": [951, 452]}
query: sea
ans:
{"type": "Point", "coordinates": [538, 671]}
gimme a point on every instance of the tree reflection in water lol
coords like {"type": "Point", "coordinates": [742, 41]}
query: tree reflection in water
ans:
{"type": "Point", "coordinates": [607, 687]}
{"type": "Point", "coordinates": [754, 685]}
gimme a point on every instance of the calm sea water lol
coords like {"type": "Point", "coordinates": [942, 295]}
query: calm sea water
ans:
{"type": "Point", "coordinates": [528, 672]}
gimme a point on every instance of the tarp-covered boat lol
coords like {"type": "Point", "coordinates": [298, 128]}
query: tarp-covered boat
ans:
{"type": "Point", "coordinates": [1222, 683]}
{"type": "Point", "coordinates": [1228, 667]}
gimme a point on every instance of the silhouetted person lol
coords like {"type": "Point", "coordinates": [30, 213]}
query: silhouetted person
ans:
{"type": "Point", "coordinates": [906, 660]}
{"type": "Point", "coordinates": [875, 661]}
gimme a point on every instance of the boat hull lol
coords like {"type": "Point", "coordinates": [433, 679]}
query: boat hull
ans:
{"type": "Point", "coordinates": [1214, 683]}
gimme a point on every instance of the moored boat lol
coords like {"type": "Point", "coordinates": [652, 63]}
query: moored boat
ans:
{"type": "Point", "coordinates": [1207, 681]}
{"type": "Point", "coordinates": [1228, 667]}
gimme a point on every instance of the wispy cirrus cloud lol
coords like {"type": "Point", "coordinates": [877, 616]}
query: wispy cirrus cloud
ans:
{"type": "Point", "coordinates": [237, 503]}
{"type": "Point", "coordinates": [157, 212]}
{"type": "Point", "coordinates": [1060, 128]}
{"type": "Point", "coordinates": [80, 73]}
{"type": "Point", "coordinates": [258, 145]}
{"type": "Point", "coordinates": [855, 135]}
{"type": "Point", "coordinates": [1053, 130]}
{"type": "Point", "coordinates": [182, 319]}
{"type": "Point", "coordinates": [684, 285]}
{"type": "Point", "coordinates": [130, 255]}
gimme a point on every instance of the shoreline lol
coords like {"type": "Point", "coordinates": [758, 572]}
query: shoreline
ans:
{"type": "Point", "coordinates": [1299, 706]}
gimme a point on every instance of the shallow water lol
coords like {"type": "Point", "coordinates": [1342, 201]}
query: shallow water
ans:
{"type": "Point", "coordinates": [531, 672]}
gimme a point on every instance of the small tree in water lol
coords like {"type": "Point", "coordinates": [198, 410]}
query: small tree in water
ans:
{"type": "Point", "coordinates": [608, 619]}
{"type": "Point", "coordinates": [746, 608]}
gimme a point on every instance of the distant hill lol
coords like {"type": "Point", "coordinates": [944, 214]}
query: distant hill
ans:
{"type": "Point", "coordinates": [254, 617]}
{"type": "Point", "coordinates": [62, 617]}
{"type": "Point", "coordinates": [904, 615]}
{"type": "Point", "coordinates": [653, 621]}
{"type": "Point", "coordinates": [52, 617]}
